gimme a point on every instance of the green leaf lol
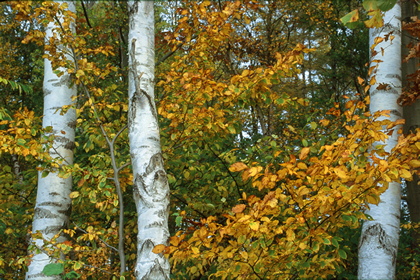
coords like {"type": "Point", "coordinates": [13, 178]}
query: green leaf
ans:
{"type": "Point", "coordinates": [280, 101]}
{"type": "Point", "coordinates": [72, 275]}
{"type": "Point", "coordinates": [231, 129]}
{"type": "Point", "coordinates": [21, 142]}
{"type": "Point", "coordinates": [342, 254]}
{"type": "Point", "coordinates": [386, 5]}
{"type": "Point", "coordinates": [178, 221]}
{"type": "Point", "coordinates": [383, 5]}
{"type": "Point", "coordinates": [351, 19]}
{"type": "Point", "coordinates": [7, 169]}
{"type": "Point", "coordinates": [370, 5]}
{"type": "Point", "coordinates": [53, 269]}
{"type": "Point", "coordinates": [346, 218]}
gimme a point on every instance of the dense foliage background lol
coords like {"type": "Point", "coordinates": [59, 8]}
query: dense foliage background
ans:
{"type": "Point", "coordinates": [265, 132]}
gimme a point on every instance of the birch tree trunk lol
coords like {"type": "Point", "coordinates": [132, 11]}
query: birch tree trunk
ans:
{"type": "Point", "coordinates": [151, 189]}
{"type": "Point", "coordinates": [379, 239]}
{"type": "Point", "coordinates": [53, 203]}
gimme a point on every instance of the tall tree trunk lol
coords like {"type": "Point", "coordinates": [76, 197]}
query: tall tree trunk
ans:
{"type": "Point", "coordinates": [53, 203]}
{"type": "Point", "coordinates": [412, 120]}
{"type": "Point", "coordinates": [151, 189]}
{"type": "Point", "coordinates": [379, 240]}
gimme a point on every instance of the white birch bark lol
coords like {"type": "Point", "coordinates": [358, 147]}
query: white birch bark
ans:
{"type": "Point", "coordinates": [53, 202]}
{"type": "Point", "coordinates": [151, 189]}
{"type": "Point", "coordinates": [379, 239]}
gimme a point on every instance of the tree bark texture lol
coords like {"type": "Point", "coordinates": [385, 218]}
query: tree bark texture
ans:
{"type": "Point", "coordinates": [379, 239]}
{"type": "Point", "coordinates": [151, 189]}
{"type": "Point", "coordinates": [53, 203]}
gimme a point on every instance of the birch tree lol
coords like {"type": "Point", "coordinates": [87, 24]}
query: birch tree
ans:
{"type": "Point", "coordinates": [379, 239]}
{"type": "Point", "coordinates": [151, 189]}
{"type": "Point", "coordinates": [53, 203]}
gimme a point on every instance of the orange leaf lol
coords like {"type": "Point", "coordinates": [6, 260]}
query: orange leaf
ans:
{"type": "Point", "coordinates": [239, 208]}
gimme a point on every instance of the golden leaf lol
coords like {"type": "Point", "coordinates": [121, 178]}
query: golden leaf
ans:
{"type": "Point", "coordinates": [304, 153]}
{"type": "Point", "coordinates": [302, 246]}
{"type": "Point", "coordinates": [245, 73]}
{"type": "Point", "coordinates": [74, 194]}
{"type": "Point", "coordinates": [238, 166]}
{"type": "Point", "coordinates": [405, 174]}
{"type": "Point", "coordinates": [159, 249]}
{"type": "Point", "coordinates": [414, 163]}
{"type": "Point", "coordinates": [254, 170]}
{"type": "Point", "coordinates": [340, 172]}
{"type": "Point", "coordinates": [254, 225]}
{"type": "Point", "coordinates": [372, 81]}
{"type": "Point", "coordinates": [195, 250]}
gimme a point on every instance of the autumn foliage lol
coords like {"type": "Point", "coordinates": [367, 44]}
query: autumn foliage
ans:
{"type": "Point", "coordinates": [272, 156]}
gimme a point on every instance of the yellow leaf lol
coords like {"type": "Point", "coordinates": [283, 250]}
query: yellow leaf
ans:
{"type": "Point", "coordinates": [378, 40]}
{"type": "Point", "coordinates": [375, 19]}
{"type": "Point", "coordinates": [303, 191]}
{"type": "Point", "coordinates": [195, 250]}
{"type": "Point", "coordinates": [193, 269]}
{"type": "Point", "coordinates": [302, 246]}
{"type": "Point", "coordinates": [405, 174]}
{"type": "Point", "coordinates": [238, 166]}
{"type": "Point", "coordinates": [372, 81]}
{"type": "Point", "coordinates": [244, 255]}
{"type": "Point", "coordinates": [245, 73]}
{"type": "Point", "coordinates": [292, 129]}
{"type": "Point", "coordinates": [414, 163]}
{"type": "Point", "coordinates": [159, 249]}
{"type": "Point", "coordinates": [386, 177]}
{"type": "Point", "coordinates": [254, 170]}
{"type": "Point", "coordinates": [290, 235]}
{"type": "Point", "coordinates": [254, 225]}
{"type": "Point", "coordinates": [302, 166]}
{"type": "Point", "coordinates": [340, 172]}
{"type": "Point", "coordinates": [273, 202]}
{"type": "Point", "coordinates": [74, 194]}
{"type": "Point", "coordinates": [304, 153]}
{"type": "Point", "coordinates": [373, 199]}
